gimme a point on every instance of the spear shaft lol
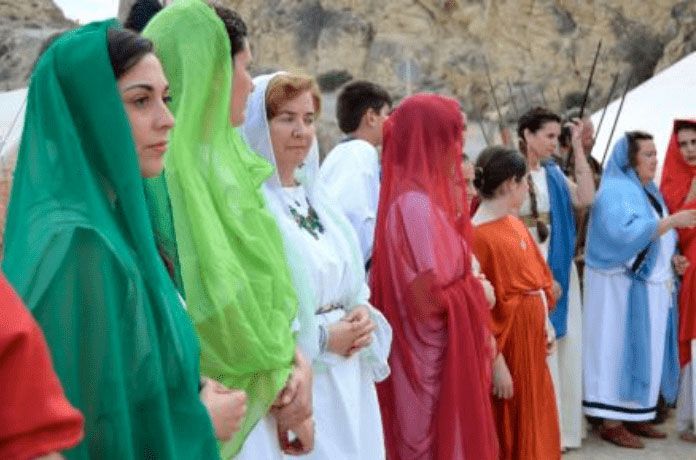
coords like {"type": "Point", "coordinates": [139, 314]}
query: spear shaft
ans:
{"type": "Point", "coordinates": [616, 120]}
{"type": "Point", "coordinates": [589, 80]}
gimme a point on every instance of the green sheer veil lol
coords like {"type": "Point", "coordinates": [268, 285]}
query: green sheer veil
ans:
{"type": "Point", "coordinates": [81, 254]}
{"type": "Point", "coordinates": [235, 277]}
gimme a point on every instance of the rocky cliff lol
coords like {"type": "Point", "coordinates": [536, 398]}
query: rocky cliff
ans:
{"type": "Point", "coordinates": [538, 51]}
{"type": "Point", "coordinates": [24, 27]}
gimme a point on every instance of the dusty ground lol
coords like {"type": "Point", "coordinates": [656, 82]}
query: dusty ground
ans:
{"type": "Point", "coordinates": [672, 448]}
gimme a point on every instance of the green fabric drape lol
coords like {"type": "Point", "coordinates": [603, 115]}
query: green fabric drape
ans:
{"type": "Point", "coordinates": [235, 276]}
{"type": "Point", "coordinates": [81, 254]}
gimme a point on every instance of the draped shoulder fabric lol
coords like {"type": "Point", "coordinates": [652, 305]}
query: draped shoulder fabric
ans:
{"type": "Point", "coordinates": [527, 423]}
{"type": "Point", "coordinates": [35, 416]}
{"type": "Point", "coordinates": [677, 176]}
{"type": "Point", "coordinates": [121, 343]}
{"type": "Point", "coordinates": [235, 275]}
{"type": "Point", "coordinates": [435, 404]}
{"type": "Point", "coordinates": [562, 244]}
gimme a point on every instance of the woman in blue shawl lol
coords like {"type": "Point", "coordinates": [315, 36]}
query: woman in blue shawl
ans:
{"type": "Point", "coordinates": [629, 294]}
{"type": "Point", "coordinates": [548, 213]}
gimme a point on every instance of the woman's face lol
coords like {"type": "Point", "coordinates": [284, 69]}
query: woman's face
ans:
{"type": "Point", "coordinates": [544, 141]}
{"type": "Point", "coordinates": [292, 131]}
{"type": "Point", "coordinates": [646, 160]}
{"type": "Point", "coordinates": [686, 138]}
{"type": "Point", "coordinates": [518, 191]}
{"type": "Point", "coordinates": [242, 85]}
{"type": "Point", "coordinates": [468, 175]}
{"type": "Point", "coordinates": [145, 94]}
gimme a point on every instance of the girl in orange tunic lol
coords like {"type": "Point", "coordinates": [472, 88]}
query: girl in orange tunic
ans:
{"type": "Point", "coordinates": [524, 404]}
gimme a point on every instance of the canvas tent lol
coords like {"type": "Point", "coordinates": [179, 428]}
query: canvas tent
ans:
{"type": "Point", "coordinates": [12, 104]}
{"type": "Point", "coordinates": [652, 106]}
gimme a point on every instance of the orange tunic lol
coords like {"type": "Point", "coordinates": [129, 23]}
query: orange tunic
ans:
{"type": "Point", "coordinates": [527, 423]}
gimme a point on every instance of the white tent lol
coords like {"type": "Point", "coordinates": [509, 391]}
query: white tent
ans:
{"type": "Point", "coordinates": [12, 106]}
{"type": "Point", "coordinates": [652, 106]}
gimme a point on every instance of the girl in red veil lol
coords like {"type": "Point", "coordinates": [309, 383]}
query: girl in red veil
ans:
{"type": "Point", "coordinates": [436, 403]}
{"type": "Point", "coordinates": [678, 187]}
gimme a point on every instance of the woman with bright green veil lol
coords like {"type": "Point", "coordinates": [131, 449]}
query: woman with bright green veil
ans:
{"type": "Point", "coordinates": [82, 256]}
{"type": "Point", "coordinates": [211, 222]}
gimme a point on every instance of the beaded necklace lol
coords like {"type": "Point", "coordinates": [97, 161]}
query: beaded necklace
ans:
{"type": "Point", "coordinates": [309, 222]}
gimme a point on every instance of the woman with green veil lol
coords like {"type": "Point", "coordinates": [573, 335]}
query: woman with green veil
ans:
{"type": "Point", "coordinates": [212, 224]}
{"type": "Point", "coordinates": [80, 252]}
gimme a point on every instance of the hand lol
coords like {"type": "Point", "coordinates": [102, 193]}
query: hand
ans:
{"type": "Point", "coordinates": [226, 408]}
{"type": "Point", "coordinates": [575, 125]}
{"type": "Point", "coordinates": [360, 318]}
{"type": "Point", "coordinates": [488, 290]}
{"type": "Point", "coordinates": [557, 290]}
{"type": "Point", "coordinates": [681, 263]}
{"type": "Point", "coordinates": [294, 402]}
{"type": "Point", "coordinates": [303, 442]}
{"type": "Point", "coordinates": [502, 380]}
{"type": "Point", "coordinates": [684, 219]}
{"type": "Point", "coordinates": [352, 333]}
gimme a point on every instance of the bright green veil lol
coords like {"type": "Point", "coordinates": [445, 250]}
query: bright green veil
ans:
{"type": "Point", "coordinates": [235, 276]}
{"type": "Point", "coordinates": [82, 256]}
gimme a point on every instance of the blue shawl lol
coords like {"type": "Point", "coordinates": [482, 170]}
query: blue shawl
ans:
{"type": "Point", "coordinates": [622, 225]}
{"type": "Point", "coordinates": [562, 244]}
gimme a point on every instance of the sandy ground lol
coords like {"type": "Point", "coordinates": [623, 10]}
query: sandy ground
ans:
{"type": "Point", "coordinates": [672, 448]}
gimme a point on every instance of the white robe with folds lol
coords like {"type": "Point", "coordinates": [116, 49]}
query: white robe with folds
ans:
{"type": "Point", "coordinates": [346, 410]}
{"type": "Point", "coordinates": [604, 325]}
{"type": "Point", "coordinates": [565, 363]}
{"type": "Point", "coordinates": [350, 175]}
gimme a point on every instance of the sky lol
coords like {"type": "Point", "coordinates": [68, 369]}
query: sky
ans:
{"type": "Point", "coordinates": [88, 10]}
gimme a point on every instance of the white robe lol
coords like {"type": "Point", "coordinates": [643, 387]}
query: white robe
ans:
{"type": "Point", "coordinates": [686, 402]}
{"type": "Point", "coordinates": [565, 364]}
{"type": "Point", "coordinates": [604, 323]}
{"type": "Point", "coordinates": [350, 175]}
{"type": "Point", "coordinates": [348, 424]}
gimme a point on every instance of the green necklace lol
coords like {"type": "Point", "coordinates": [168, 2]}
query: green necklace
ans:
{"type": "Point", "coordinates": [310, 222]}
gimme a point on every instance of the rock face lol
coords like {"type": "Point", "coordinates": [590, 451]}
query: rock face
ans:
{"type": "Point", "coordinates": [24, 27]}
{"type": "Point", "coordinates": [536, 50]}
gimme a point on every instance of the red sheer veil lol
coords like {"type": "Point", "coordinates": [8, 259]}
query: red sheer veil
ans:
{"type": "Point", "coordinates": [676, 174]}
{"type": "Point", "coordinates": [436, 404]}
{"type": "Point", "coordinates": [676, 181]}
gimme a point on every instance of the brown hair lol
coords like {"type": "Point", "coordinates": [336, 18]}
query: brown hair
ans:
{"type": "Point", "coordinates": [633, 145]}
{"type": "Point", "coordinates": [287, 86]}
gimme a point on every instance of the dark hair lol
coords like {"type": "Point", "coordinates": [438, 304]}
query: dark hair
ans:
{"type": "Point", "coordinates": [681, 125]}
{"type": "Point", "coordinates": [126, 49]}
{"type": "Point", "coordinates": [633, 145]}
{"type": "Point", "coordinates": [534, 120]}
{"type": "Point", "coordinates": [355, 99]}
{"type": "Point", "coordinates": [140, 14]}
{"type": "Point", "coordinates": [495, 165]}
{"type": "Point", "coordinates": [234, 25]}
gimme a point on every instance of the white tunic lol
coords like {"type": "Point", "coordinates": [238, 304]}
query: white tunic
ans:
{"type": "Point", "coordinates": [604, 322]}
{"type": "Point", "coordinates": [347, 419]}
{"type": "Point", "coordinates": [346, 410]}
{"type": "Point", "coordinates": [350, 175]}
{"type": "Point", "coordinates": [565, 364]}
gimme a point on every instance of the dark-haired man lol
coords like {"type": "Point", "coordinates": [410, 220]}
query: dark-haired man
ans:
{"type": "Point", "coordinates": [350, 172]}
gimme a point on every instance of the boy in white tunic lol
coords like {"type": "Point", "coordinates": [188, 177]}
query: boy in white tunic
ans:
{"type": "Point", "coordinates": [350, 172]}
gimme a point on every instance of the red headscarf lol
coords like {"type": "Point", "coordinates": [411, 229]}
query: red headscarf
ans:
{"type": "Point", "coordinates": [436, 403]}
{"type": "Point", "coordinates": [676, 182]}
{"type": "Point", "coordinates": [35, 417]}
